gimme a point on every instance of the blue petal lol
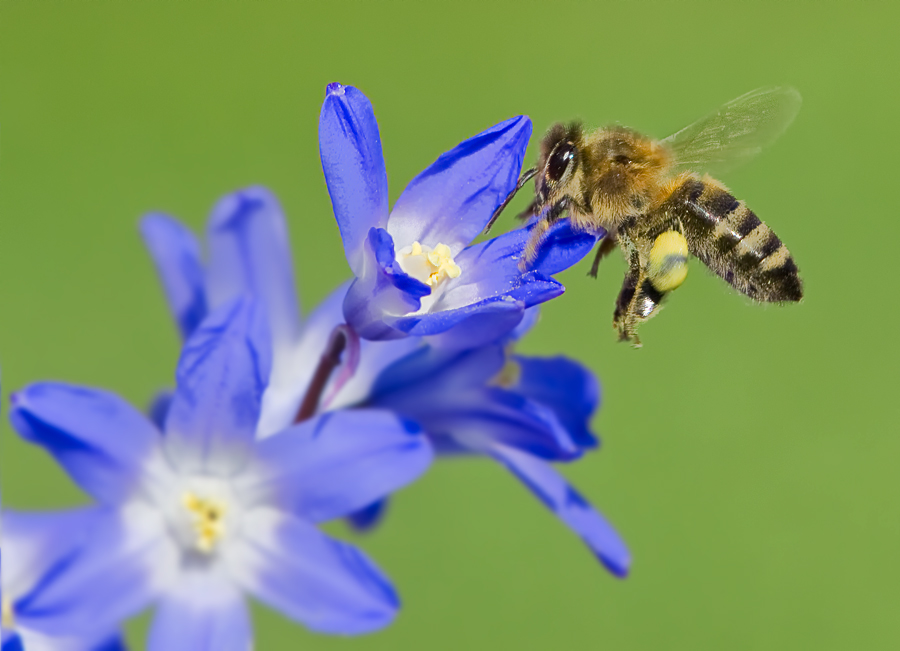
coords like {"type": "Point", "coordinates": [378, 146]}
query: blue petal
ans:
{"type": "Point", "coordinates": [12, 642]}
{"type": "Point", "coordinates": [451, 396]}
{"type": "Point", "coordinates": [453, 199]}
{"type": "Point", "coordinates": [158, 408]}
{"type": "Point", "coordinates": [563, 246]}
{"type": "Point", "coordinates": [328, 585]}
{"type": "Point", "coordinates": [369, 517]}
{"type": "Point", "coordinates": [478, 419]}
{"type": "Point", "coordinates": [569, 506]}
{"type": "Point", "coordinates": [350, 148]}
{"type": "Point", "coordinates": [429, 371]}
{"type": "Point", "coordinates": [116, 573]}
{"type": "Point", "coordinates": [491, 268]}
{"type": "Point", "coordinates": [567, 387]}
{"type": "Point", "coordinates": [529, 320]}
{"type": "Point", "coordinates": [221, 376]}
{"type": "Point", "coordinates": [383, 291]}
{"type": "Point", "coordinates": [99, 439]}
{"type": "Point", "coordinates": [479, 324]}
{"type": "Point", "coordinates": [484, 323]}
{"type": "Point", "coordinates": [339, 462]}
{"type": "Point", "coordinates": [116, 643]}
{"type": "Point", "coordinates": [39, 641]}
{"type": "Point", "coordinates": [203, 613]}
{"type": "Point", "coordinates": [250, 255]}
{"type": "Point", "coordinates": [34, 543]}
{"type": "Point", "coordinates": [385, 257]}
{"type": "Point", "coordinates": [176, 255]}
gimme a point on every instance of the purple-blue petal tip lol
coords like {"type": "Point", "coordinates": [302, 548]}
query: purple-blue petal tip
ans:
{"type": "Point", "coordinates": [334, 88]}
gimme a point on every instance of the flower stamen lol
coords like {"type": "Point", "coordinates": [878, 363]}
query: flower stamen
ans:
{"type": "Point", "coordinates": [431, 266]}
{"type": "Point", "coordinates": [8, 617]}
{"type": "Point", "coordinates": [508, 376]}
{"type": "Point", "coordinates": [207, 517]}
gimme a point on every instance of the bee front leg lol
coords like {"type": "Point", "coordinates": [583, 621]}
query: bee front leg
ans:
{"type": "Point", "coordinates": [529, 212]}
{"type": "Point", "coordinates": [607, 244]}
{"type": "Point", "coordinates": [535, 239]}
{"type": "Point", "coordinates": [539, 232]}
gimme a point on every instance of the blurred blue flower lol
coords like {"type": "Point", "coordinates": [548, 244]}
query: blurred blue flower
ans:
{"type": "Point", "coordinates": [247, 253]}
{"type": "Point", "coordinates": [524, 412]}
{"type": "Point", "coordinates": [35, 547]}
{"type": "Point", "coordinates": [415, 271]}
{"type": "Point", "coordinates": [205, 512]}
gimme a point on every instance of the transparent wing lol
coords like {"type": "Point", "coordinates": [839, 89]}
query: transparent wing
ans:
{"type": "Point", "coordinates": [736, 132]}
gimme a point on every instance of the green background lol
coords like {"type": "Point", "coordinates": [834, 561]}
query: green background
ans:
{"type": "Point", "coordinates": [750, 453]}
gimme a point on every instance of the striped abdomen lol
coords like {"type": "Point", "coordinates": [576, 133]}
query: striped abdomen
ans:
{"type": "Point", "coordinates": [732, 241]}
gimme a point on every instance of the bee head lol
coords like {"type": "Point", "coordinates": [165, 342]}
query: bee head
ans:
{"type": "Point", "coordinates": [558, 162]}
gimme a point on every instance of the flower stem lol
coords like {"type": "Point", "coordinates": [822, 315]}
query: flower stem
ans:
{"type": "Point", "coordinates": [343, 339]}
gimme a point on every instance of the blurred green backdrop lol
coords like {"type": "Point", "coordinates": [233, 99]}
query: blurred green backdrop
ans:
{"type": "Point", "coordinates": [749, 452]}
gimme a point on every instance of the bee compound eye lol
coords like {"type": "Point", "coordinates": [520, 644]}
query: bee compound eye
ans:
{"type": "Point", "coordinates": [560, 160]}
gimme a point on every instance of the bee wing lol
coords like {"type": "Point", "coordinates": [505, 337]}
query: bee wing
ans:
{"type": "Point", "coordinates": [737, 131]}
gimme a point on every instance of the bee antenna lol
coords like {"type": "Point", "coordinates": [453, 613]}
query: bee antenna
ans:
{"type": "Point", "coordinates": [527, 175]}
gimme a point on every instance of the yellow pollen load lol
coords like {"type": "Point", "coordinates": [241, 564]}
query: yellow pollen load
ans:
{"type": "Point", "coordinates": [208, 519]}
{"type": "Point", "coordinates": [440, 263]}
{"type": "Point", "coordinates": [668, 261]}
{"type": "Point", "coordinates": [8, 618]}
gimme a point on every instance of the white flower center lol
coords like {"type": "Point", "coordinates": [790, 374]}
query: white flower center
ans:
{"type": "Point", "coordinates": [427, 265]}
{"type": "Point", "coordinates": [202, 513]}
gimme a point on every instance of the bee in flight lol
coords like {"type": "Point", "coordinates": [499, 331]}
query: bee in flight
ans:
{"type": "Point", "coordinates": [648, 196]}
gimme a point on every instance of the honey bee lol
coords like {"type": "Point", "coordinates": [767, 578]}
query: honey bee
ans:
{"type": "Point", "coordinates": [649, 196]}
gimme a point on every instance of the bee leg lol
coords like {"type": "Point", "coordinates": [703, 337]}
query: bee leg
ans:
{"type": "Point", "coordinates": [606, 246]}
{"type": "Point", "coordinates": [538, 231]}
{"type": "Point", "coordinates": [623, 303]}
{"type": "Point", "coordinates": [645, 301]}
{"type": "Point", "coordinates": [644, 289]}
{"type": "Point", "coordinates": [527, 175]}
{"type": "Point", "coordinates": [529, 212]}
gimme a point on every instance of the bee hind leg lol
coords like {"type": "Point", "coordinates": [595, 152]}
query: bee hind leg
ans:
{"type": "Point", "coordinates": [638, 301]}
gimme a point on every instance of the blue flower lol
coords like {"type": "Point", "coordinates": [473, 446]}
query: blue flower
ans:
{"type": "Point", "coordinates": [415, 271]}
{"type": "Point", "coordinates": [35, 547]}
{"type": "Point", "coordinates": [523, 412]}
{"type": "Point", "coordinates": [201, 514]}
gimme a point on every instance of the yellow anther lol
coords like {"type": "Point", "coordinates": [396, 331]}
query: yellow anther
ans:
{"type": "Point", "coordinates": [8, 618]}
{"type": "Point", "coordinates": [429, 265]}
{"type": "Point", "coordinates": [208, 517]}
{"type": "Point", "coordinates": [509, 375]}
